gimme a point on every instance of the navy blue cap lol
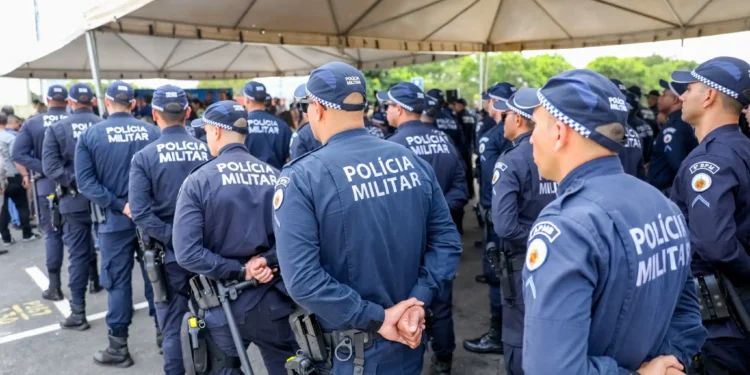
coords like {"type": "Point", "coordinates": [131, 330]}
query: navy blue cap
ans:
{"type": "Point", "coordinates": [430, 103]}
{"type": "Point", "coordinates": [620, 86]}
{"type": "Point", "coordinates": [255, 91]}
{"type": "Point", "coordinates": [405, 94]}
{"type": "Point", "coordinates": [583, 100]}
{"type": "Point", "coordinates": [635, 90]}
{"type": "Point", "coordinates": [511, 102]}
{"type": "Point", "coordinates": [501, 92]}
{"type": "Point", "coordinates": [332, 83]}
{"type": "Point", "coordinates": [57, 93]}
{"type": "Point", "coordinates": [676, 87]}
{"type": "Point", "coordinates": [437, 94]}
{"type": "Point", "coordinates": [226, 114]}
{"type": "Point", "coordinates": [81, 93]}
{"type": "Point", "coordinates": [485, 95]}
{"type": "Point", "coordinates": [379, 118]}
{"type": "Point", "coordinates": [120, 92]}
{"type": "Point", "coordinates": [729, 75]}
{"type": "Point", "coordinates": [300, 92]}
{"type": "Point", "coordinates": [169, 94]}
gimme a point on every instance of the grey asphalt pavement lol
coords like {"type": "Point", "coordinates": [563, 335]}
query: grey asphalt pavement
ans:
{"type": "Point", "coordinates": [32, 343]}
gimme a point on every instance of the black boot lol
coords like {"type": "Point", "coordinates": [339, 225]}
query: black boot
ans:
{"type": "Point", "coordinates": [77, 319]}
{"type": "Point", "coordinates": [490, 342]}
{"type": "Point", "coordinates": [54, 292]}
{"type": "Point", "coordinates": [441, 365]}
{"type": "Point", "coordinates": [116, 354]}
{"type": "Point", "coordinates": [94, 286]}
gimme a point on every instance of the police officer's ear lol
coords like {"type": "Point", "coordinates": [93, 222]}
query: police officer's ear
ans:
{"type": "Point", "coordinates": [564, 133]}
{"type": "Point", "coordinates": [188, 111]}
{"type": "Point", "coordinates": [94, 102]}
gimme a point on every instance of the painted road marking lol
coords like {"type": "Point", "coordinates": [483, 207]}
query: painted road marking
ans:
{"type": "Point", "coordinates": [43, 282]}
{"type": "Point", "coordinates": [56, 327]}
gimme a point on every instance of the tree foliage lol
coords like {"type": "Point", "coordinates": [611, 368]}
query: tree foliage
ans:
{"type": "Point", "coordinates": [644, 72]}
{"type": "Point", "coordinates": [463, 73]}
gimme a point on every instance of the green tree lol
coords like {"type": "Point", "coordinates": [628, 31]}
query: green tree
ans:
{"type": "Point", "coordinates": [644, 72]}
{"type": "Point", "coordinates": [235, 84]}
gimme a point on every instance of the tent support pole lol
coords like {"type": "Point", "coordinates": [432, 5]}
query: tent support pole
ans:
{"type": "Point", "coordinates": [94, 63]}
{"type": "Point", "coordinates": [481, 77]}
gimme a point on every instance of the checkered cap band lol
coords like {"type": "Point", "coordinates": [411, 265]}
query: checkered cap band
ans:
{"type": "Point", "coordinates": [113, 99]}
{"type": "Point", "coordinates": [215, 123]}
{"type": "Point", "coordinates": [324, 103]}
{"type": "Point", "coordinates": [161, 109]}
{"type": "Point", "coordinates": [715, 85]}
{"type": "Point", "coordinates": [580, 129]}
{"type": "Point", "coordinates": [408, 108]}
{"type": "Point", "coordinates": [517, 110]}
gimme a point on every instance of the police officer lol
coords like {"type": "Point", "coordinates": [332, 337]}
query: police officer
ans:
{"type": "Point", "coordinates": [303, 140]}
{"type": "Point", "coordinates": [361, 276]}
{"type": "Point", "coordinates": [712, 189]}
{"type": "Point", "coordinates": [380, 120]}
{"type": "Point", "coordinates": [156, 173]}
{"type": "Point", "coordinates": [375, 131]}
{"type": "Point", "coordinates": [631, 153]}
{"type": "Point", "coordinates": [446, 123]}
{"type": "Point", "coordinates": [674, 142]}
{"type": "Point", "coordinates": [222, 229]}
{"type": "Point", "coordinates": [607, 283]}
{"type": "Point", "coordinates": [405, 104]}
{"type": "Point", "coordinates": [269, 137]}
{"type": "Point", "coordinates": [467, 122]}
{"type": "Point", "coordinates": [102, 166]}
{"type": "Point", "coordinates": [58, 153]}
{"type": "Point", "coordinates": [519, 193]}
{"type": "Point", "coordinates": [27, 151]}
{"type": "Point", "coordinates": [492, 144]}
{"type": "Point", "coordinates": [644, 130]}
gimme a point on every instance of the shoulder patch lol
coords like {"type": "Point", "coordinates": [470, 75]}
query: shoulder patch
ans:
{"type": "Point", "coordinates": [701, 182]}
{"type": "Point", "coordinates": [546, 229]}
{"type": "Point", "coordinates": [278, 198]}
{"type": "Point", "coordinates": [667, 138]}
{"type": "Point", "coordinates": [536, 254]}
{"type": "Point", "coordinates": [283, 181]}
{"type": "Point", "coordinates": [481, 147]}
{"type": "Point", "coordinates": [501, 166]}
{"type": "Point", "coordinates": [704, 165]}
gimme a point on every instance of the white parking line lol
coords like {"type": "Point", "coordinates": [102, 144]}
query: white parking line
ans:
{"type": "Point", "coordinates": [56, 327]}
{"type": "Point", "coordinates": [43, 282]}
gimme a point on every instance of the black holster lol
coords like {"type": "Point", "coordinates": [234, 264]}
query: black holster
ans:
{"type": "Point", "coordinates": [97, 214]}
{"type": "Point", "coordinates": [200, 354]}
{"type": "Point", "coordinates": [508, 266]}
{"type": "Point", "coordinates": [719, 299]}
{"type": "Point", "coordinates": [53, 201]}
{"type": "Point", "coordinates": [322, 347]}
{"type": "Point", "coordinates": [153, 261]}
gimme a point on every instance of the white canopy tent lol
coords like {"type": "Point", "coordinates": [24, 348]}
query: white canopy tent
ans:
{"type": "Point", "coordinates": [249, 38]}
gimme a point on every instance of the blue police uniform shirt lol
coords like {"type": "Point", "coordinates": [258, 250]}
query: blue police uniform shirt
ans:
{"type": "Point", "coordinates": [645, 132]}
{"type": "Point", "coordinates": [519, 194]}
{"type": "Point", "coordinates": [446, 123]}
{"type": "Point", "coordinates": [374, 130]}
{"type": "Point", "coordinates": [339, 263]}
{"type": "Point", "coordinates": [607, 283]}
{"type": "Point", "coordinates": [268, 138]}
{"type": "Point", "coordinates": [671, 147]}
{"type": "Point", "coordinates": [492, 144]}
{"type": "Point", "coordinates": [483, 124]}
{"type": "Point", "coordinates": [27, 150]}
{"type": "Point", "coordinates": [58, 155]}
{"type": "Point", "coordinates": [223, 218]}
{"type": "Point", "coordinates": [631, 154]}
{"type": "Point", "coordinates": [156, 174]}
{"type": "Point", "coordinates": [434, 147]}
{"type": "Point", "coordinates": [102, 164]}
{"type": "Point", "coordinates": [303, 142]}
{"type": "Point", "coordinates": [712, 189]}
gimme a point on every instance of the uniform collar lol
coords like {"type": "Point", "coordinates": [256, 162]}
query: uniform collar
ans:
{"type": "Point", "coordinates": [120, 115]}
{"type": "Point", "coordinates": [674, 116]}
{"type": "Point", "coordinates": [732, 129]}
{"type": "Point", "coordinates": [174, 129]}
{"type": "Point", "coordinates": [348, 134]}
{"type": "Point", "coordinates": [83, 110]}
{"type": "Point", "coordinates": [607, 165]}
{"type": "Point", "coordinates": [521, 138]}
{"type": "Point", "coordinates": [233, 147]}
{"type": "Point", "coordinates": [410, 124]}
{"type": "Point", "coordinates": [57, 110]}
